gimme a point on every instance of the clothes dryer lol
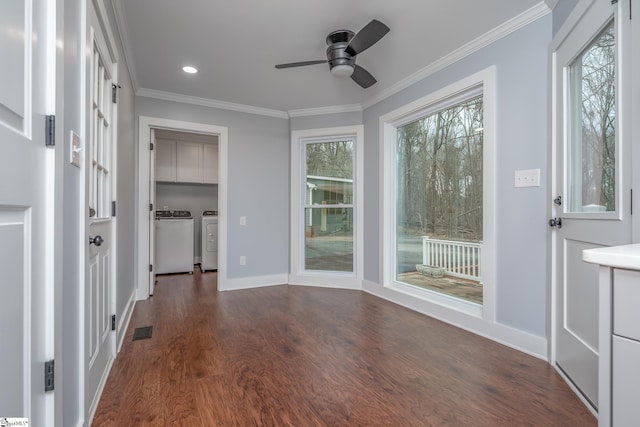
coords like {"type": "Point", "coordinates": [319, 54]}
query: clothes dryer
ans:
{"type": "Point", "coordinates": [209, 241]}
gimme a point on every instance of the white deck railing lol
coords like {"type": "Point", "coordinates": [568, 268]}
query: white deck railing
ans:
{"type": "Point", "coordinates": [459, 259]}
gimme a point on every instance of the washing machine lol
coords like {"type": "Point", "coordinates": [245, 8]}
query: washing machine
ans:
{"type": "Point", "coordinates": [209, 241]}
{"type": "Point", "coordinates": [174, 242]}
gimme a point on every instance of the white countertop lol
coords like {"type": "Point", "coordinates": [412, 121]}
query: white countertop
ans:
{"type": "Point", "coordinates": [626, 256]}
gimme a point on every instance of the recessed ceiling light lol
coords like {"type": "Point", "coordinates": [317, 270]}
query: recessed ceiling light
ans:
{"type": "Point", "coordinates": [190, 70]}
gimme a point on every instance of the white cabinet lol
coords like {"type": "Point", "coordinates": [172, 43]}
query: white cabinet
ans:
{"type": "Point", "coordinates": [185, 161]}
{"type": "Point", "coordinates": [619, 335]}
{"type": "Point", "coordinates": [210, 163]}
{"type": "Point", "coordinates": [165, 160]}
{"type": "Point", "coordinates": [189, 162]}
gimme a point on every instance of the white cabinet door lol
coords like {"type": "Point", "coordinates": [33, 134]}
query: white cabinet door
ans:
{"type": "Point", "coordinates": [165, 160]}
{"type": "Point", "coordinates": [210, 163]}
{"type": "Point", "coordinates": [189, 164]}
{"type": "Point", "coordinates": [625, 382]}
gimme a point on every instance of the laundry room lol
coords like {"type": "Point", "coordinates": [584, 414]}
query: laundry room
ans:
{"type": "Point", "coordinates": [186, 202]}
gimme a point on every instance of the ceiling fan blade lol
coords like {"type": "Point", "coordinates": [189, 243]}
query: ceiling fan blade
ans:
{"type": "Point", "coordinates": [366, 37]}
{"type": "Point", "coordinates": [362, 77]}
{"type": "Point", "coordinates": [301, 64]}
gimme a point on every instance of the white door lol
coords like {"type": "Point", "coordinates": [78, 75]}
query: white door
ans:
{"type": "Point", "coordinates": [592, 181]}
{"type": "Point", "coordinates": [152, 211]}
{"type": "Point", "coordinates": [99, 271]}
{"type": "Point", "coordinates": [26, 216]}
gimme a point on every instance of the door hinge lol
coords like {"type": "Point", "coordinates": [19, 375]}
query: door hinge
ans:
{"type": "Point", "coordinates": [113, 208]}
{"type": "Point", "coordinates": [631, 202]}
{"type": "Point", "coordinates": [555, 222]}
{"type": "Point", "coordinates": [150, 207]}
{"type": "Point", "coordinates": [49, 375]}
{"type": "Point", "coordinates": [114, 92]}
{"type": "Point", "coordinates": [151, 146]}
{"type": "Point", "coordinates": [150, 267]}
{"type": "Point", "coordinates": [113, 322]}
{"type": "Point", "coordinates": [50, 131]}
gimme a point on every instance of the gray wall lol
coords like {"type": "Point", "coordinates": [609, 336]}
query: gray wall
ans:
{"type": "Point", "coordinates": [258, 183]}
{"type": "Point", "coordinates": [326, 121]}
{"type": "Point", "coordinates": [190, 197]}
{"type": "Point", "coordinates": [522, 112]}
{"type": "Point", "coordinates": [561, 12]}
{"type": "Point", "coordinates": [126, 200]}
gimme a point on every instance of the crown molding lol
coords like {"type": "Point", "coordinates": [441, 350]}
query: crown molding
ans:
{"type": "Point", "coordinates": [514, 24]}
{"type": "Point", "coordinates": [205, 102]}
{"type": "Point", "coordinates": [124, 39]}
{"type": "Point", "coordinates": [336, 109]}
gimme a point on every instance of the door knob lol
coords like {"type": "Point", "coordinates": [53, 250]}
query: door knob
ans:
{"type": "Point", "coordinates": [98, 240]}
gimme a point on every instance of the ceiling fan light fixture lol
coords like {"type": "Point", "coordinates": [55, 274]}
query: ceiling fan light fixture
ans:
{"type": "Point", "coordinates": [342, 70]}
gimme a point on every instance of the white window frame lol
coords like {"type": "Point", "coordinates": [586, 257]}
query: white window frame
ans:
{"type": "Point", "coordinates": [297, 274]}
{"type": "Point", "coordinates": [447, 308]}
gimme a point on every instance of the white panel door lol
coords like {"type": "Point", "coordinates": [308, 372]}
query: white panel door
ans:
{"type": "Point", "coordinates": [26, 222]}
{"type": "Point", "coordinates": [592, 184]}
{"type": "Point", "coordinates": [99, 267]}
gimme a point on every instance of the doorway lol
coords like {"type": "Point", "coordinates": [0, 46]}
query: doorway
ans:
{"type": "Point", "coordinates": [146, 212]}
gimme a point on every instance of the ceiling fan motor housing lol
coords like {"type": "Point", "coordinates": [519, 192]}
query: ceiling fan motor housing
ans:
{"type": "Point", "coordinates": [336, 54]}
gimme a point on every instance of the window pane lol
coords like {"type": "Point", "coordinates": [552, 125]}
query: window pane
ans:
{"type": "Point", "coordinates": [439, 201]}
{"type": "Point", "coordinates": [329, 239]}
{"type": "Point", "coordinates": [329, 167]}
{"type": "Point", "coordinates": [592, 157]}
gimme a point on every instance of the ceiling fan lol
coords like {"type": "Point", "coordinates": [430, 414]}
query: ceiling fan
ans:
{"type": "Point", "coordinates": [344, 45]}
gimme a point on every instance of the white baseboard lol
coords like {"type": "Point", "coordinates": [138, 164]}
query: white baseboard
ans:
{"type": "Point", "coordinates": [96, 400]}
{"type": "Point", "coordinates": [325, 281]}
{"type": "Point", "coordinates": [253, 282]}
{"type": "Point", "coordinates": [124, 319]}
{"type": "Point", "coordinates": [519, 340]}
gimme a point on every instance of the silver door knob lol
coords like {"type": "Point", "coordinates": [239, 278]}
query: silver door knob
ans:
{"type": "Point", "coordinates": [98, 240]}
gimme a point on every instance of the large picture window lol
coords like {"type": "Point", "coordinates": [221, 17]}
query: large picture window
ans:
{"type": "Point", "coordinates": [439, 201]}
{"type": "Point", "coordinates": [438, 197]}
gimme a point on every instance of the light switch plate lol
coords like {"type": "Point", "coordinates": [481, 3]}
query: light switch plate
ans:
{"type": "Point", "coordinates": [527, 178]}
{"type": "Point", "coordinates": [75, 149]}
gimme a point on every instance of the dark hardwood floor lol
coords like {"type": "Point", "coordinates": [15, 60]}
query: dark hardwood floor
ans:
{"type": "Point", "coordinates": [301, 356]}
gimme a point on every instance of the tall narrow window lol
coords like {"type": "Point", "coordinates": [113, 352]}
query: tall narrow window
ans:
{"type": "Point", "coordinates": [439, 200]}
{"type": "Point", "coordinates": [328, 207]}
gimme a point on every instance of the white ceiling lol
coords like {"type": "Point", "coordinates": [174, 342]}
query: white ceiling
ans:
{"type": "Point", "coordinates": [235, 45]}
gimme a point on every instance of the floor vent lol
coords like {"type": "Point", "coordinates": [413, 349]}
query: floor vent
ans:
{"type": "Point", "coordinates": [142, 333]}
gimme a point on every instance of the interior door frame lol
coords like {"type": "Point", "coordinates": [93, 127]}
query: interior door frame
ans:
{"type": "Point", "coordinates": [557, 133]}
{"type": "Point", "coordinates": [145, 124]}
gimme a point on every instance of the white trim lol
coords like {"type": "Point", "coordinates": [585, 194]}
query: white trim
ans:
{"type": "Point", "coordinates": [123, 322]}
{"type": "Point", "coordinates": [103, 382]}
{"type": "Point", "coordinates": [252, 282]}
{"type": "Point", "coordinates": [142, 194]}
{"type": "Point", "coordinates": [326, 280]}
{"type": "Point", "coordinates": [105, 24]}
{"type": "Point", "coordinates": [297, 273]}
{"type": "Point", "coordinates": [503, 30]}
{"type": "Point", "coordinates": [486, 80]}
{"type": "Point", "coordinates": [336, 109]}
{"type": "Point", "coordinates": [206, 102]}
{"type": "Point", "coordinates": [522, 341]}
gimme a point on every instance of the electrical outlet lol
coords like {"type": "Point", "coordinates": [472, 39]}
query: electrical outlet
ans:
{"type": "Point", "coordinates": [243, 220]}
{"type": "Point", "coordinates": [243, 260]}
